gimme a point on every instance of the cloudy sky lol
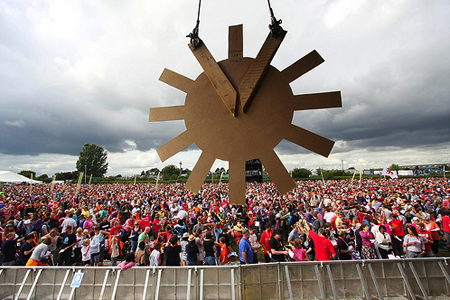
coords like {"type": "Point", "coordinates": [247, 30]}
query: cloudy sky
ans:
{"type": "Point", "coordinates": [75, 72]}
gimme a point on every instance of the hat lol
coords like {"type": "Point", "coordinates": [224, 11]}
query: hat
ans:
{"type": "Point", "coordinates": [237, 227]}
{"type": "Point", "coordinates": [358, 226]}
{"type": "Point", "coordinates": [185, 235]}
{"type": "Point", "coordinates": [191, 238]}
{"type": "Point", "coordinates": [415, 219]}
{"type": "Point", "coordinates": [278, 231]}
{"type": "Point", "coordinates": [26, 222]}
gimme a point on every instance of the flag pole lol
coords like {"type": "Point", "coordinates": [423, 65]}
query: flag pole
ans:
{"type": "Point", "coordinates": [80, 177]}
{"type": "Point", "coordinates": [157, 179]}
{"type": "Point", "coordinates": [360, 176]}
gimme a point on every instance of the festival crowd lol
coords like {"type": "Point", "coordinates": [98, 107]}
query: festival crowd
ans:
{"type": "Point", "coordinates": [149, 225]}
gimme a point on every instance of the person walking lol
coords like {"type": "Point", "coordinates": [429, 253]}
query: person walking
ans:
{"type": "Point", "coordinates": [245, 249]}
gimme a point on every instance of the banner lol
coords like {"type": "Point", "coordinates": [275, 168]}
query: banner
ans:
{"type": "Point", "coordinates": [390, 173]}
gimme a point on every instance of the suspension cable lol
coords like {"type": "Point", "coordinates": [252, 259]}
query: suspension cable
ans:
{"type": "Point", "coordinates": [195, 41]}
{"type": "Point", "coordinates": [274, 27]}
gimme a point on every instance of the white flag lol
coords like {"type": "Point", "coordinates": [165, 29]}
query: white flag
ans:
{"type": "Point", "coordinates": [388, 172]}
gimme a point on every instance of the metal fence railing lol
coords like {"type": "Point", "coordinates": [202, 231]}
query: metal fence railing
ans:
{"type": "Point", "coordinates": [369, 279]}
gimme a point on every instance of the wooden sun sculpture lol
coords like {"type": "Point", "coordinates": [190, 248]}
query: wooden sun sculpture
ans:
{"type": "Point", "coordinates": [240, 109]}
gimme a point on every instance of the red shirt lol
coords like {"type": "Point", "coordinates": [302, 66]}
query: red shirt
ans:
{"type": "Point", "coordinates": [156, 225]}
{"type": "Point", "coordinates": [397, 227]}
{"type": "Point", "coordinates": [115, 230]}
{"type": "Point", "coordinates": [266, 235]}
{"type": "Point", "coordinates": [144, 223]}
{"type": "Point", "coordinates": [323, 246]}
{"type": "Point", "coordinates": [223, 253]}
{"type": "Point", "coordinates": [446, 224]}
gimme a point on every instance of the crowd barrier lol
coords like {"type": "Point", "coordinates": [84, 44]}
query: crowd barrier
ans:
{"type": "Point", "coordinates": [364, 279]}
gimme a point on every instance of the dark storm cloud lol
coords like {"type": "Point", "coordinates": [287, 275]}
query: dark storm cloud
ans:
{"type": "Point", "coordinates": [74, 73]}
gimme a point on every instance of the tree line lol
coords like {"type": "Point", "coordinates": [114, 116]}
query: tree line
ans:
{"type": "Point", "coordinates": [93, 160]}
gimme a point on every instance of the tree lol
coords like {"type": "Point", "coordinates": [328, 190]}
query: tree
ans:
{"type": "Point", "coordinates": [301, 173]}
{"type": "Point", "coordinates": [67, 175]}
{"type": "Point", "coordinates": [394, 167]}
{"type": "Point", "coordinates": [28, 174]}
{"type": "Point", "coordinates": [42, 177]}
{"type": "Point", "coordinates": [93, 160]}
{"type": "Point", "coordinates": [169, 171]}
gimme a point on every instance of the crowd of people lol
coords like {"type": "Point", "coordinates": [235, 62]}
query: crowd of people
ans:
{"type": "Point", "coordinates": [145, 224]}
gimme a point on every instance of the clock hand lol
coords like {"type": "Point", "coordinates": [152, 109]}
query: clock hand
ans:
{"type": "Point", "coordinates": [216, 76]}
{"type": "Point", "coordinates": [259, 67]}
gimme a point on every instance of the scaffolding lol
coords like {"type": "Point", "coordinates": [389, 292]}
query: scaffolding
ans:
{"type": "Point", "coordinates": [364, 279]}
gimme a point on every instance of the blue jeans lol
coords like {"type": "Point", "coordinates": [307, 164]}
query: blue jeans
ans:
{"type": "Point", "coordinates": [95, 258]}
{"type": "Point", "coordinates": [134, 245]}
{"type": "Point", "coordinates": [411, 254]}
{"type": "Point", "coordinates": [210, 261]}
{"type": "Point", "coordinates": [192, 263]}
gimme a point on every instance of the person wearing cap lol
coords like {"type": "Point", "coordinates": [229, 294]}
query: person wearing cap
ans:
{"type": "Point", "coordinates": [192, 250]}
{"type": "Point", "coordinates": [277, 248]}
{"type": "Point", "coordinates": [26, 229]}
{"type": "Point", "coordinates": [183, 244]}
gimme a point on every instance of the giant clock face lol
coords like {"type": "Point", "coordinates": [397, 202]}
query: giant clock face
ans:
{"type": "Point", "coordinates": [240, 109]}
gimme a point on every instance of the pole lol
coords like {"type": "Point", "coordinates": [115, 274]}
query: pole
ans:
{"type": "Point", "coordinates": [157, 179]}
{"type": "Point", "coordinates": [360, 175]}
{"type": "Point", "coordinates": [85, 173]}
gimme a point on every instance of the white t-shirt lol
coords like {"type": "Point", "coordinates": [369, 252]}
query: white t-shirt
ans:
{"type": "Point", "coordinates": [154, 258]}
{"type": "Point", "coordinates": [328, 216]}
{"type": "Point", "coordinates": [85, 253]}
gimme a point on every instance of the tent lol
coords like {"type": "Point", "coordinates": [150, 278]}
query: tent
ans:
{"type": "Point", "coordinates": [11, 177]}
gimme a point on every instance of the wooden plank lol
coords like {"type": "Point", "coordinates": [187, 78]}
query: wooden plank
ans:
{"type": "Point", "coordinates": [200, 171]}
{"type": "Point", "coordinates": [175, 145]}
{"type": "Point", "coordinates": [277, 171]}
{"type": "Point", "coordinates": [302, 66]}
{"type": "Point", "coordinates": [317, 101]}
{"type": "Point", "coordinates": [235, 43]}
{"type": "Point", "coordinates": [216, 76]}
{"type": "Point", "coordinates": [168, 113]}
{"type": "Point", "coordinates": [176, 80]}
{"type": "Point", "coordinates": [258, 68]}
{"type": "Point", "coordinates": [308, 140]}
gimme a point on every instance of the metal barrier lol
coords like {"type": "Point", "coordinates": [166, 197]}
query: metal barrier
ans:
{"type": "Point", "coordinates": [369, 279]}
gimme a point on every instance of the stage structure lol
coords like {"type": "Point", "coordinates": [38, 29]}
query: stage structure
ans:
{"type": "Point", "coordinates": [241, 108]}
